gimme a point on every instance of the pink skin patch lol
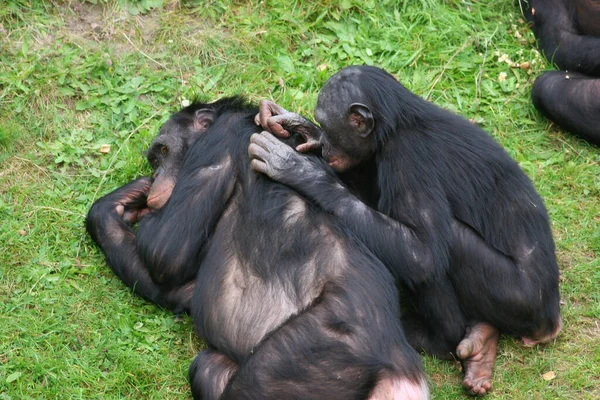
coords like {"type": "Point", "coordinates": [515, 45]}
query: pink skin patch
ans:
{"type": "Point", "coordinates": [339, 164]}
{"type": "Point", "coordinates": [528, 342]}
{"type": "Point", "coordinates": [334, 163]}
{"type": "Point", "coordinates": [399, 389]}
{"type": "Point", "coordinates": [157, 199]}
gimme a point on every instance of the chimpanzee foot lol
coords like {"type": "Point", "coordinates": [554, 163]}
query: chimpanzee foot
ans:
{"type": "Point", "coordinates": [478, 353]}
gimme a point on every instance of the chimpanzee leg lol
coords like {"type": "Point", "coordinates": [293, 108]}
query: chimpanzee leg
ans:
{"type": "Point", "coordinates": [108, 223]}
{"type": "Point", "coordinates": [209, 373]}
{"type": "Point", "coordinates": [438, 327]}
{"type": "Point", "coordinates": [518, 296]}
{"type": "Point", "coordinates": [571, 100]}
{"type": "Point", "coordinates": [438, 324]}
{"type": "Point", "coordinates": [320, 354]}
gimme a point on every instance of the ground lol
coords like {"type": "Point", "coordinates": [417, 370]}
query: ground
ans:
{"type": "Point", "coordinates": [84, 88]}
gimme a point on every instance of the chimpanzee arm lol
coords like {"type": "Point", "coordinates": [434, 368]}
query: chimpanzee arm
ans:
{"type": "Point", "coordinates": [171, 240]}
{"type": "Point", "coordinates": [414, 244]}
{"type": "Point", "coordinates": [107, 225]}
{"type": "Point", "coordinates": [554, 28]}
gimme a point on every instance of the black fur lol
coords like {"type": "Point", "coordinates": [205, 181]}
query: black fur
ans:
{"type": "Point", "coordinates": [568, 33]}
{"type": "Point", "coordinates": [291, 306]}
{"type": "Point", "coordinates": [455, 219]}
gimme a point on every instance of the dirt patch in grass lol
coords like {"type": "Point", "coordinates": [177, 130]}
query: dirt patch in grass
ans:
{"type": "Point", "coordinates": [591, 329]}
{"type": "Point", "coordinates": [109, 26]}
{"type": "Point", "coordinates": [153, 34]}
{"type": "Point", "coordinates": [87, 20]}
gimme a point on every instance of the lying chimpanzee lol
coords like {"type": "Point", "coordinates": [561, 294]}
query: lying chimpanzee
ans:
{"type": "Point", "coordinates": [568, 32]}
{"type": "Point", "coordinates": [439, 202]}
{"type": "Point", "coordinates": [289, 303]}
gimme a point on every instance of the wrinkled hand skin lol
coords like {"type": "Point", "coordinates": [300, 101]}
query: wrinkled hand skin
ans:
{"type": "Point", "coordinates": [278, 121]}
{"type": "Point", "coordinates": [130, 203]}
{"type": "Point", "coordinates": [272, 117]}
{"type": "Point", "coordinates": [279, 161]}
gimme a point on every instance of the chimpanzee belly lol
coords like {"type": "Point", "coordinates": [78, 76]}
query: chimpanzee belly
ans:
{"type": "Point", "coordinates": [233, 308]}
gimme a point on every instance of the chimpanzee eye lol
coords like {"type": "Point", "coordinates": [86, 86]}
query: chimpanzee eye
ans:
{"type": "Point", "coordinates": [153, 161]}
{"type": "Point", "coordinates": [164, 150]}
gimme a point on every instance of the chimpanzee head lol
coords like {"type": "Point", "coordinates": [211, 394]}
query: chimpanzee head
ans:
{"type": "Point", "coordinates": [168, 149]}
{"type": "Point", "coordinates": [347, 121]}
{"type": "Point", "coordinates": [359, 108]}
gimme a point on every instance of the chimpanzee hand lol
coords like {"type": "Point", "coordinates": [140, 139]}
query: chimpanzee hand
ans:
{"type": "Point", "coordinates": [276, 119]}
{"type": "Point", "coordinates": [279, 161]}
{"type": "Point", "coordinates": [134, 202]}
{"type": "Point", "coordinates": [271, 117]}
{"type": "Point", "coordinates": [129, 201]}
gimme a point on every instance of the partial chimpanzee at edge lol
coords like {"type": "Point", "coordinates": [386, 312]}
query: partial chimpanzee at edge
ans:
{"type": "Point", "coordinates": [439, 202]}
{"type": "Point", "coordinates": [568, 32]}
{"type": "Point", "coordinates": [291, 306]}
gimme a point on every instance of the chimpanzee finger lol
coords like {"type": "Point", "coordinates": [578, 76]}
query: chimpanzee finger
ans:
{"type": "Point", "coordinates": [132, 192]}
{"type": "Point", "coordinates": [120, 209]}
{"type": "Point", "coordinates": [266, 110]}
{"type": "Point", "coordinates": [258, 166]}
{"type": "Point", "coordinates": [274, 108]}
{"type": "Point", "coordinates": [264, 113]}
{"type": "Point", "coordinates": [136, 193]}
{"type": "Point", "coordinates": [129, 217]}
{"type": "Point", "coordinates": [256, 151]}
{"type": "Point", "coordinates": [275, 126]}
{"type": "Point", "coordinates": [265, 139]}
{"type": "Point", "coordinates": [260, 139]}
{"type": "Point", "coordinates": [133, 216]}
{"type": "Point", "coordinates": [265, 118]}
{"type": "Point", "coordinates": [270, 142]}
{"type": "Point", "coordinates": [310, 145]}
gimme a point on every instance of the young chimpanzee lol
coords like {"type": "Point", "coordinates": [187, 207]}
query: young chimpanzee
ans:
{"type": "Point", "coordinates": [452, 216]}
{"type": "Point", "coordinates": [289, 303]}
{"type": "Point", "coordinates": [568, 32]}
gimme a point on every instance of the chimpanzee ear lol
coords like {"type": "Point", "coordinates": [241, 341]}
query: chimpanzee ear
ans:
{"type": "Point", "coordinates": [362, 119]}
{"type": "Point", "coordinates": [203, 119]}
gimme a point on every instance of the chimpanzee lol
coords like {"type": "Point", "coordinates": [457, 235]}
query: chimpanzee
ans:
{"type": "Point", "coordinates": [568, 32]}
{"type": "Point", "coordinates": [116, 237]}
{"type": "Point", "coordinates": [290, 304]}
{"type": "Point", "coordinates": [453, 216]}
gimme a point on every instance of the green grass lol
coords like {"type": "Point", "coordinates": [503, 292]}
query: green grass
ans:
{"type": "Point", "coordinates": [75, 76]}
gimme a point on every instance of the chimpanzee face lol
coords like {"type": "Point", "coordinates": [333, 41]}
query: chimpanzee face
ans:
{"type": "Point", "coordinates": [346, 121]}
{"type": "Point", "coordinates": [169, 148]}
